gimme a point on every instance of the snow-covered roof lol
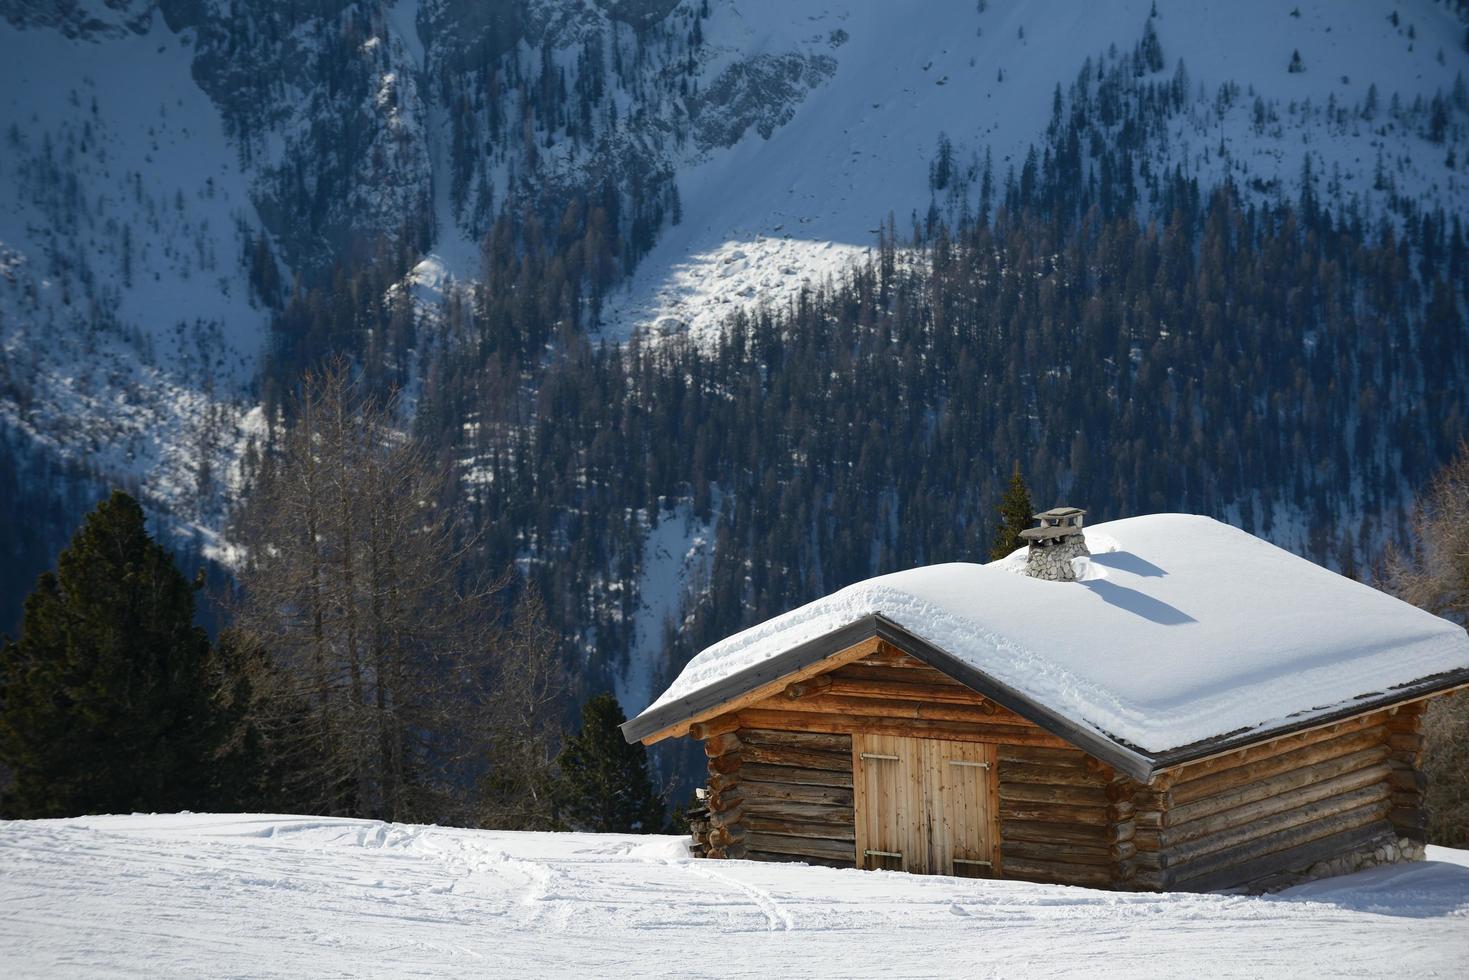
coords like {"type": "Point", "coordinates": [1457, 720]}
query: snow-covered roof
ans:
{"type": "Point", "coordinates": [1184, 630]}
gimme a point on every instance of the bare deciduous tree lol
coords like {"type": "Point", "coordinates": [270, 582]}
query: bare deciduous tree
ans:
{"type": "Point", "coordinates": [393, 686]}
{"type": "Point", "coordinates": [1435, 576]}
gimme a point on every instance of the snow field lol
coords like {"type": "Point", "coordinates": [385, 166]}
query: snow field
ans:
{"type": "Point", "coordinates": [257, 895]}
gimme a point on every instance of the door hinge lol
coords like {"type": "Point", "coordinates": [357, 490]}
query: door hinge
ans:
{"type": "Point", "coordinates": [987, 864]}
{"type": "Point", "coordinates": [971, 765]}
{"type": "Point", "coordinates": [883, 854]}
{"type": "Point", "coordinates": [874, 755]}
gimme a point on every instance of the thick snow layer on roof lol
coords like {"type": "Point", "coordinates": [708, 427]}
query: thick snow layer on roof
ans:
{"type": "Point", "coordinates": [1185, 629]}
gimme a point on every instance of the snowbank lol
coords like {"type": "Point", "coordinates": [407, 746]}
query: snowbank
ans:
{"type": "Point", "coordinates": [270, 896]}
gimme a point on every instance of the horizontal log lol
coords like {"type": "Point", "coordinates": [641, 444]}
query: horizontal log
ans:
{"type": "Point", "coordinates": [925, 693]}
{"type": "Point", "coordinates": [721, 800]}
{"type": "Point", "coordinates": [893, 709]}
{"type": "Point", "coordinates": [726, 763]}
{"type": "Point", "coordinates": [1188, 789]}
{"type": "Point", "coordinates": [1151, 819]}
{"type": "Point", "coordinates": [1053, 873]}
{"type": "Point", "coordinates": [1405, 798]}
{"type": "Point", "coordinates": [887, 655]}
{"type": "Point", "coordinates": [714, 726]}
{"type": "Point", "coordinates": [1271, 786]}
{"type": "Point", "coordinates": [785, 755]}
{"type": "Point", "coordinates": [816, 741]}
{"type": "Point", "coordinates": [828, 813]}
{"type": "Point", "coordinates": [791, 828]}
{"type": "Point", "coordinates": [757, 772]}
{"type": "Point", "coordinates": [1123, 851]}
{"type": "Point", "coordinates": [1407, 780]}
{"type": "Point", "coordinates": [1012, 771]}
{"type": "Point", "coordinates": [725, 818]}
{"type": "Point", "coordinates": [804, 846]}
{"type": "Point", "coordinates": [1053, 813]}
{"type": "Point", "coordinates": [1295, 850]}
{"type": "Point", "coordinates": [796, 793]}
{"type": "Point", "coordinates": [1275, 747]}
{"type": "Point", "coordinates": [1408, 742]}
{"type": "Point", "coordinates": [1152, 860]}
{"type": "Point", "coordinates": [718, 745]}
{"type": "Point", "coordinates": [1373, 798]}
{"type": "Point", "coordinates": [1056, 853]}
{"type": "Point", "coordinates": [864, 670]}
{"type": "Point", "coordinates": [1146, 798]}
{"type": "Point", "coordinates": [1040, 793]}
{"type": "Point", "coordinates": [1056, 757]}
{"type": "Point", "coordinates": [808, 687]}
{"type": "Point", "coordinates": [917, 727]}
{"type": "Point", "coordinates": [1098, 834]}
{"type": "Point", "coordinates": [1324, 796]}
{"type": "Point", "coordinates": [800, 859]}
{"type": "Point", "coordinates": [722, 780]}
{"type": "Point", "coordinates": [725, 836]}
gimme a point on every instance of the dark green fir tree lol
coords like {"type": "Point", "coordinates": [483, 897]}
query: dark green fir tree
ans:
{"type": "Point", "coordinates": [1015, 516]}
{"type": "Point", "coordinates": [605, 782]}
{"type": "Point", "coordinates": [105, 702]}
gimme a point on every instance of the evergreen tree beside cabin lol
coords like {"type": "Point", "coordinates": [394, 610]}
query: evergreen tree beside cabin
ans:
{"type": "Point", "coordinates": [104, 697]}
{"type": "Point", "coordinates": [1015, 515]}
{"type": "Point", "coordinates": [606, 784]}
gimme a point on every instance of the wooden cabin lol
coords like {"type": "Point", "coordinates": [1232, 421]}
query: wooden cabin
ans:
{"type": "Point", "coordinates": [1181, 706]}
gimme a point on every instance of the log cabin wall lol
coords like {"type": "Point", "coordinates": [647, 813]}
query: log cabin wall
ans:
{"type": "Point", "coordinates": [781, 774]}
{"type": "Point", "coordinates": [1064, 818]}
{"type": "Point", "coordinates": [1322, 802]}
{"type": "Point", "coordinates": [781, 796]}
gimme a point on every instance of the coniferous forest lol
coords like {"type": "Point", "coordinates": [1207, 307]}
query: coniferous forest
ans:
{"type": "Point", "coordinates": [1078, 323]}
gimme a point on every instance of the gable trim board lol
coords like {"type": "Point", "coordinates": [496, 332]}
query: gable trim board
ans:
{"type": "Point", "coordinates": [674, 718]}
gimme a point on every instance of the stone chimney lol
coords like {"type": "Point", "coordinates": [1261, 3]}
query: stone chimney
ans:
{"type": "Point", "coordinates": [1054, 543]}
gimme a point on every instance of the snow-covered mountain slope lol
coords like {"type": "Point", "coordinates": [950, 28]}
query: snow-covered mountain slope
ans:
{"type": "Point", "coordinates": [779, 211]}
{"type": "Point", "coordinates": [127, 322]}
{"type": "Point", "coordinates": [266, 896]}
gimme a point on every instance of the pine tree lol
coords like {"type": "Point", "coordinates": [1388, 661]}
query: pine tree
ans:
{"type": "Point", "coordinates": [1015, 516]}
{"type": "Point", "coordinates": [105, 699]}
{"type": "Point", "coordinates": [606, 787]}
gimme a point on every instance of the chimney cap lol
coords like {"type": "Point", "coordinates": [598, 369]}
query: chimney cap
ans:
{"type": "Point", "coordinates": [1055, 524]}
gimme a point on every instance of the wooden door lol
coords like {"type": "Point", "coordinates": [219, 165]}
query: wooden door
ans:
{"type": "Point", "coordinates": [888, 800]}
{"type": "Point", "coordinates": [925, 805]}
{"type": "Point", "coordinates": [960, 794]}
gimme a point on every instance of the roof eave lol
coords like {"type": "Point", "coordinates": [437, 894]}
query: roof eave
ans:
{"type": "Point", "coordinates": [1137, 763]}
{"type": "Point", "coordinates": [875, 625]}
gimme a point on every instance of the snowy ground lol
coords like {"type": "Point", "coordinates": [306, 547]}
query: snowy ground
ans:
{"type": "Point", "coordinates": [204, 895]}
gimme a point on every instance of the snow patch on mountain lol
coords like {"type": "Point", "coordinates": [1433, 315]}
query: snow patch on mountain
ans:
{"type": "Point", "coordinates": [784, 209]}
{"type": "Point", "coordinates": [675, 568]}
{"type": "Point", "coordinates": [128, 332]}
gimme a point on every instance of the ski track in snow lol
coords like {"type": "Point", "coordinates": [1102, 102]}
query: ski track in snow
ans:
{"type": "Point", "coordinates": [261, 895]}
